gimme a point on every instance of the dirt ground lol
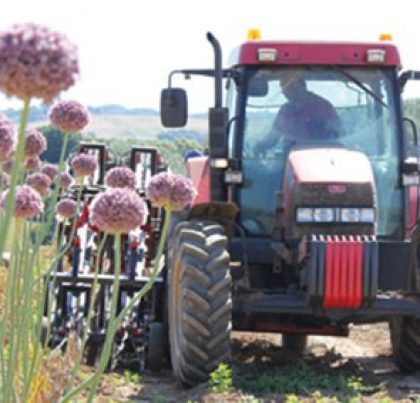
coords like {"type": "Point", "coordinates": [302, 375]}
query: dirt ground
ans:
{"type": "Point", "coordinates": [366, 354]}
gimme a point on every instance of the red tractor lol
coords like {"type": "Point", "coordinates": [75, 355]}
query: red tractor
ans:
{"type": "Point", "coordinates": [307, 214]}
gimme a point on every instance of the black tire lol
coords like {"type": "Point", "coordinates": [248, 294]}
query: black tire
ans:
{"type": "Point", "coordinates": [92, 351]}
{"type": "Point", "coordinates": [199, 300]}
{"type": "Point", "coordinates": [405, 340]}
{"type": "Point", "coordinates": [294, 343]}
{"type": "Point", "coordinates": [405, 331]}
{"type": "Point", "coordinates": [155, 346]}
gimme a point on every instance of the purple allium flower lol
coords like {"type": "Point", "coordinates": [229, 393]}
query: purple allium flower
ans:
{"type": "Point", "coordinates": [120, 177]}
{"type": "Point", "coordinates": [117, 210]}
{"type": "Point", "coordinates": [4, 180]}
{"type": "Point", "coordinates": [66, 208]}
{"type": "Point", "coordinates": [7, 137]}
{"type": "Point", "coordinates": [28, 202]}
{"type": "Point", "coordinates": [36, 62]}
{"type": "Point", "coordinates": [40, 182]}
{"type": "Point", "coordinates": [171, 191]}
{"type": "Point", "coordinates": [65, 180]}
{"type": "Point", "coordinates": [33, 163]}
{"type": "Point", "coordinates": [8, 166]}
{"type": "Point", "coordinates": [50, 170]}
{"type": "Point", "coordinates": [69, 116]}
{"type": "Point", "coordinates": [83, 165]}
{"type": "Point", "coordinates": [35, 143]}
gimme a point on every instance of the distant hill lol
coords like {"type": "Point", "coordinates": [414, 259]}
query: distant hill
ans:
{"type": "Point", "coordinates": [40, 113]}
{"type": "Point", "coordinates": [117, 121]}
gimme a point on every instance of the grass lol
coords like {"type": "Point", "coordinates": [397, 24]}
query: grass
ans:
{"type": "Point", "coordinates": [290, 382]}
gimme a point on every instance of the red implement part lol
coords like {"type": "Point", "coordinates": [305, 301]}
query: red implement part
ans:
{"type": "Point", "coordinates": [343, 273]}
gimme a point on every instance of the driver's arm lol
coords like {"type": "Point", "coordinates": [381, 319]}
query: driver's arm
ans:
{"type": "Point", "coordinates": [272, 137]}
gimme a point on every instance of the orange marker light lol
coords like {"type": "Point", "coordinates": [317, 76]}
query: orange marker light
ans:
{"type": "Point", "coordinates": [385, 37]}
{"type": "Point", "coordinates": [254, 34]}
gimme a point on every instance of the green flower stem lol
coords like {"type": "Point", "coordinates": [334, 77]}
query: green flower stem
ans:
{"type": "Point", "coordinates": [110, 332]}
{"type": "Point", "coordinates": [54, 267]}
{"type": "Point", "coordinates": [26, 327]}
{"type": "Point", "coordinates": [4, 227]}
{"type": "Point", "coordinates": [93, 293]}
{"type": "Point", "coordinates": [49, 214]}
{"type": "Point", "coordinates": [156, 264]}
{"type": "Point", "coordinates": [12, 301]}
{"type": "Point", "coordinates": [14, 176]}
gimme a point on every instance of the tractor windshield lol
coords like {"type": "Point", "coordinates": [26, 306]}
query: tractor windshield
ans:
{"type": "Point", "coordinates": [297, 107]}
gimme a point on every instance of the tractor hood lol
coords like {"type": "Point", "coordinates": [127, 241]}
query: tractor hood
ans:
{"type": "Point", "coordinates": [333, 178]}
{"type": "Point", "coordinates": [330, 165]}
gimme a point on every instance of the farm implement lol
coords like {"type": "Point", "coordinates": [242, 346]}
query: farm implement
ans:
{"type": "Point", "coordinates": [139, 339]}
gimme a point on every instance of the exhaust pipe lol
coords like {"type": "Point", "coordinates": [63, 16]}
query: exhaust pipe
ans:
{"type": "Point", "coordinates": [218, 72]}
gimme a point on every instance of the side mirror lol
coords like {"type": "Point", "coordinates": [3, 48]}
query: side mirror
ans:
{"type": "Point", "coordinates": [173, 107]}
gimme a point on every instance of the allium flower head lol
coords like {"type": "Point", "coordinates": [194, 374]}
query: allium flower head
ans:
{"type": "Point", "coordinates": [66, 208]}
{"type": "Point", "coordinates": [40, 182]}
{"type": "Point", "coordinates": [33, 163]}
{"type": "Point", "coordinates": [50, 170]}
{"type": "Point", "coordinates": [83, 165]}
{"type": "Point", "coordinates": [65, 180]}
{"type": "Point", "coordinates": [8, 166]}
{"type": "Point", "coordinates": [7, 137]}
{"type": "Point", "coordinates": [117, 210]}
{"type": "Point", "coordinates": [28, 202]}
{"type": "Point", "coordinates": [171, 191]}
{"type": "Point", "coordinates": [69, 116]}
{"type": "Point", "coordinates": [35, 143]}
{"type": "Point", "coordinates": [36, 62]}
{"type": "Point", "coordinates": [120, 177]}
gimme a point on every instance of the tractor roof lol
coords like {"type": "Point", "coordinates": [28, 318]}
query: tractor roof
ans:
{"type": "Point", "coordinates": [315, 53]}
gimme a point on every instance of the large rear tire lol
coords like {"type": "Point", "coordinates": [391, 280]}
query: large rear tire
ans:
{"type": "Point", "coordinates": [199, 300]}
{"type": "Point", "coordinates": [405, 332]}
{"type": "Point", "coordinates": [405, 340]}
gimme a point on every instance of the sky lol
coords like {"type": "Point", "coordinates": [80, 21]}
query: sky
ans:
{"type": "Point", "coordinates": [128, 47]}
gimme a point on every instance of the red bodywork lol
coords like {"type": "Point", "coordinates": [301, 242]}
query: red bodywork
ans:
{"type": "Point", "coordinates": [330, 165]}
{"type": "Point", "coordinates": [343, 272]}
{"type": "Point", "coordinates": [315, 53]}
{"type": "Point", "coordinates": [198, 171]}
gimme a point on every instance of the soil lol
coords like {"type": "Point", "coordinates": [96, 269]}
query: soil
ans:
{"type": "Point", "coordinates": [366, 353]}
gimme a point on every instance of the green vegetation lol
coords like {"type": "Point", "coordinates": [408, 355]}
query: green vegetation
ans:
{"type": "Point", "coordinates": [221, 378]}
{"type": "Point", "coordinates": [171, 151]}
{"type": "Point", "coordinates": [55, 140]}
{"type": "Point", "coordinates": [132, 377]}
{"type": "Point", "coordinates": [291, 383]}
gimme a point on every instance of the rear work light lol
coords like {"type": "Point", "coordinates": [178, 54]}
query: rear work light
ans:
{"type": "Point", "coordinates": [267, 55]}
{"type": "Point", "coordinates": [365, 215]}
{"type": "Point", "coordinates": [375, 55]}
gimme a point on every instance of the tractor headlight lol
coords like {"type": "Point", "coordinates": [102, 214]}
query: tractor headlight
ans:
{"type": "Point", "coordinates": [304, 215]}
{"type": "Point", "coordinates": [350, 215]}
{"type": "Point", "coordinates": [330, 214]}
{"type": "Point", "coordinates": [367, 215]}
{"type": "Point", "coordinates": [323, 214]}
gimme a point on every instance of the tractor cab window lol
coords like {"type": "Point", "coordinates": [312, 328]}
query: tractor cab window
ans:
{"type": "Point", "coordinates": [297, 107]}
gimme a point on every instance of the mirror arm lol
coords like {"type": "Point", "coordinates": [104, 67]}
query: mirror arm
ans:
{"type": "Point", "coordinates": [408, 75]}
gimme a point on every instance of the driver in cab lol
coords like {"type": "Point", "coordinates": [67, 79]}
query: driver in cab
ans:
{"type": "Point", "coordinates": [304, 117]}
